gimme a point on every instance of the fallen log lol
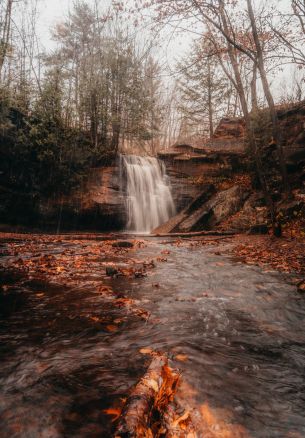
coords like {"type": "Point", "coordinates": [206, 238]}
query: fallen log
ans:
{"type": "Point", "coordinates": [65, 236]}
{"type": "Point", "coordinates": [196, 233]}
{"type": "Point", "coordinates": [200, 239]}
{"type": "Point", "coordinates": [144, 408]}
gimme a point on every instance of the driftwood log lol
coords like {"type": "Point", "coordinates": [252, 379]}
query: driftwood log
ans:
{"type": "Point", "coordinates": [141, 416]}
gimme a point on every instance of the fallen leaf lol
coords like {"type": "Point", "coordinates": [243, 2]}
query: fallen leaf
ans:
{"type": "Point", "coordinates": [106, 289]}
{"type": "Point", "coordinates": [146, 350]}
{"type": "Point", "coordinates": [94, 318]}
{"type": "Point", "coordinates": [301, 286]}
{"type": "Point", "coordinates": [118, 320]}
{"type": "Point", "coordinates": [115, 412]}
{"type": "Point", "coordinates": [111, 328]}
{"type": "Point", "coordinates": [183, 417]}
{"type": "Point", "coordinates": [181, 357]}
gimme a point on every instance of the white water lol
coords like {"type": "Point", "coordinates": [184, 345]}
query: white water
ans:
{"type": "Point", "coordinates": [149, 201]}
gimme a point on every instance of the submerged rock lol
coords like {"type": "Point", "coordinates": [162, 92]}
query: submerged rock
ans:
{"type": "Point", "coordinates": [123, 244]}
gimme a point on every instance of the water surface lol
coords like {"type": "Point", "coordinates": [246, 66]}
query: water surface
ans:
{"type": "Point", "coordinates": [238, 329]}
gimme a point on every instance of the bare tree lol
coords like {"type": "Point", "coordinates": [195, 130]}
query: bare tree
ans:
{"type": "Point", "coordinates": [5, 28]}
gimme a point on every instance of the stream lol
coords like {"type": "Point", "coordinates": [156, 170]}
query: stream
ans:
{"type": "Point", "coordinates": [68, 355]}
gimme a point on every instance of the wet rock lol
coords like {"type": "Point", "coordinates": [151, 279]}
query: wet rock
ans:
{"type": "Point", "coordinates": [301, 286]}
{"type": "Point", "coordinates": [111, 271]}
{"type": "Point", "coordinates": [258, 229]}
{"type": "Point", "coordinates": [98, 205]}
{"type": "Point", "coordinates": [140, 273]}
{"type": "Point", "coordinates": [123, 244]}
{"type": "Point", "coordinates": [173, 224]}
{"type": "Point", "coordinates": [183, 190]}
{"type": "Point", "coordinates": [207, 211]}
{"type": "Point", "coordinates": [218, 208]}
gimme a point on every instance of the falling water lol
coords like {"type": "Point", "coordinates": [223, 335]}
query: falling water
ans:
{"type": "Point", "coordinates": [149, 200]}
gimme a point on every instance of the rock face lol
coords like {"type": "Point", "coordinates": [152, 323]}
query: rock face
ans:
{"type": "Point", "coordinates": [207, 211]}
{"type": "Point", "coordinates": [103, 197]}
{"type": "Point", "coordinates": [190, 166]}
{"type": "Point", "coordinates": [218, 208]}
{"type": "Point", "coordinates": [99, 205]}
{"type": "Point", "coordinates": [252, 216]}
{"type": "Point", "coordinates": [104, 192]}
{"type": "Point", "coordinates": [183, 188]}
{"type": "Point", "coordinates": [174, 223]}
{"type": "Point", "coordinates": [292, 120]}
{"type": "Point", "coordinates": [230, 128]}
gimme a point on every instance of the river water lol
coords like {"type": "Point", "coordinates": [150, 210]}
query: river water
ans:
{"type": "Point", "coordinates": [67, 354]}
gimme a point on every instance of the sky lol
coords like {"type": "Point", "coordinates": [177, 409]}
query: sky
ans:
{"type": "Point", "coordinates": [50, 13]}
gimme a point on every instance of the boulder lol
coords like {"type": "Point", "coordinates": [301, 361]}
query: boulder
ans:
{"type": "Point", "coordinates": [291, 209]}
{"type": "Point", "coordinates": [111, 271]}
{"type": "Point", "coordinates": [122, 244]}
{"type": "Point", "coordinates": [230, 128]}
{"type": "Point", "coordinates": [253, 213]}
{"type": "Point", "coordinates": [258, 229]}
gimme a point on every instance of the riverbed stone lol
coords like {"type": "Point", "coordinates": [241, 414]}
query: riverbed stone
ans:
{"type": "Point", "coordinates": [123, 244]}
{"type": "Point", "coordinates": [111, 271]}
{"type": "Point", "coordinates": [258, 229]}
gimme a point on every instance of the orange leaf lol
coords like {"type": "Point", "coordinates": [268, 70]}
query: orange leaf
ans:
{"type": "Point", "coordinates": [111, 328]}
{"type": "Point", "coordinates": [115, 412]}
{"type": "Point", "coordinates": [181, 357]}
{"type": "Point", "coordinates": [146, 350]}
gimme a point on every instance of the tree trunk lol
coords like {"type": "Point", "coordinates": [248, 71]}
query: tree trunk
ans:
{"type": "Point", "coordinates": [254, 103]}
{"type": "Point", "coordinates": [6, 33]}
{"type": "Point", "coordinates": [210, 104]}
{"type": "Point", "coordinates": [243, 101]}
{"type": "Point", "coordinates": [273, 114]}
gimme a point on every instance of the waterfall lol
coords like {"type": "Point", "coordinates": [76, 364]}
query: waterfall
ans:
{"type": "Point", "coordinates": [149, 201]}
